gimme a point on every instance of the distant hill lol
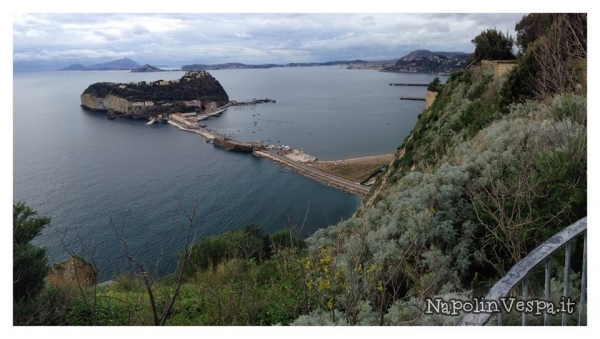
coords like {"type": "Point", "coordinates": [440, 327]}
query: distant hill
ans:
{"type": "Point", "coordinates": [147, 69]}
{"type": "Point", "coordinates": [74, 67]}
{"type": "Point", "coordinates": [230, 65]}
{"type": "Point", "coordinates": [121, 64]}
{"type": "Point", "coordinates": [425, 53]}
{"type": "Point", "coordinates": [424, 61]}
{"type": "Point", "coordinates": [237, 65]}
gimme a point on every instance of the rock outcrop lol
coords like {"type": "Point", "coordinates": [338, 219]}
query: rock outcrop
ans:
{"type": "Point", "coordinates": [72, 272]}
{"type": "Point", "coordinates": [108, 103]}
{"type": "Point", "coordinates": [430, 98]}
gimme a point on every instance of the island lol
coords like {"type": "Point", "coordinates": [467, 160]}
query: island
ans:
{"type": "Point", "coordinates": [193, 92]}
{"type": "Point", "coordinates": [147, 69]}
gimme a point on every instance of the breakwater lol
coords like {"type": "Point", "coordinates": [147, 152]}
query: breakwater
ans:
{"type": "Point", "coordinates": [303, 169]}
{"type": "Point", "coordinates": [233, 145]}
{"type": "Point", "coordinates": [315, 174]}
{"type": "Point", "coordinates": [411, 98]}
{"type": "Point", "coordinates": [203, 132]}
{"type": "Point", "coordinates": [407, 84]}
{"type": "Point", "coordinates": [306, 170]}
{"type": "Point", "coordinates": [252, 102]}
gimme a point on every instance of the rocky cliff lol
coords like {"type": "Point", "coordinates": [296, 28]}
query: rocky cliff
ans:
{"type": "Point", "coordinates": [106, 104]}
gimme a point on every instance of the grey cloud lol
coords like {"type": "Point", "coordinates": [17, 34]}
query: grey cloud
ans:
{"type": "Point", "coordinates": [139, 29]}
{"type": "Point", "coordinates": [248, 37]}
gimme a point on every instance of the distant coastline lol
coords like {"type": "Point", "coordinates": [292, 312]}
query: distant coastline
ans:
{"type": "Point", "coordinates": [418, 61]}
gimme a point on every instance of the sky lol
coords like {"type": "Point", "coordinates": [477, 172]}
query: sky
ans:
{"type": "Point", "coordinates": [56, 39]}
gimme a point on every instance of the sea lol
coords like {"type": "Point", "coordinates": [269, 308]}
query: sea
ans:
{"type": "Point", "coordinates": [106, 183]}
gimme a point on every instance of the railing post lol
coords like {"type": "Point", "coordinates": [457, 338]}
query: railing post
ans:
{"type": "Point", "coordinates": [518, 273]}
{"type": "Point", "coordinates": [547, 292]}
{"type": "Point", "coordinates": [525, 297]}
{"type": "Point", "coordinates": [567, 269]}
{"type": "Point", "coordinates": [583, 280]}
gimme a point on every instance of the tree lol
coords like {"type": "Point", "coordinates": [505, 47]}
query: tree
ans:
{"type": "Point", "coordinates": [493, 45]}
{"type": "Point", "coordinates": [161, 307]}
{"type": "Point", "coordinates": [532, 27]}
{"type": "Point", "coordinates": [552, 60]}
{"type": "Point", "coordinates": [29, 262]}
{"type": "Point", "coordinates": [434, 85]}
{"type": "Point", "coordinates": [561, 54]}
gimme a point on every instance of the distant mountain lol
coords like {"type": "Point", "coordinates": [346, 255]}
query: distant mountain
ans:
{"type": "Point", "coordinates": [147, 69]}
{"type": "Point", "coordinates": [121, 64]}
{"type": "Point", "coordinates": [230, 65]}
{"type": "Point", "coordinates": [425, 53]}
{"type": "Point", "coordinates": [237, 65]}
{"type": "Point", "coordinates": [74, 67]}
{"type": "Point", "coordinates": [424, 61]}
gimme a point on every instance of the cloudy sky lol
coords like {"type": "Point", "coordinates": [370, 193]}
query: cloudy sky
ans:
{"type": "Point", "coordinates": [177, 39]}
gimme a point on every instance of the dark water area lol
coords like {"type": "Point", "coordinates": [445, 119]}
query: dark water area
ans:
{"type": "Point", "coordinates": [81, 169]}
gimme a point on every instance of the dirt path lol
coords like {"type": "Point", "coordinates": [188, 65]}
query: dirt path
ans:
{"type": "Point", "coordinates": [312, 172]}
{"type": "Point", "coordinates": [356, 169]}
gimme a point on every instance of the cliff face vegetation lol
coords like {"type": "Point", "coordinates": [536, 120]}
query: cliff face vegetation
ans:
{"type": "Point", "coordinates": [492, 169]}
{"type": "Point", "coordinates": [120, 98]}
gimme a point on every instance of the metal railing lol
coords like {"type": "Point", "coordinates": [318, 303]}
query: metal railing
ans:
{"type": "Point", "coordinates": [518, 274]}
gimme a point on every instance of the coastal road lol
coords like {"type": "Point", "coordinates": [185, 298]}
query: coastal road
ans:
{"type": "Point", "coordinates": [347, 185]}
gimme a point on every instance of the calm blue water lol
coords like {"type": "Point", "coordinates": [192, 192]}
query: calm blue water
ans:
{"type": "Point", "coordinates": [331, 113]}
{"type": "Point", "coordinates": [81, 169]}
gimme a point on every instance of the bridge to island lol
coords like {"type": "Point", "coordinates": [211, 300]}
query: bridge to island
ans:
{"type": "Point", "coordinates": [293, 160]}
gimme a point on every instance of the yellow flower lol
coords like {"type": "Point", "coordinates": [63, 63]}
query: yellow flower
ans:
{"type": "Point", "coordinates": [380, 287]}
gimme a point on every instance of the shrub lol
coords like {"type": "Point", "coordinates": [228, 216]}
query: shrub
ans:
{"type": "Point", "coordinates": [29, 262]}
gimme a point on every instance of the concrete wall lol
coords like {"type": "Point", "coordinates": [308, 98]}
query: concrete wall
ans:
{"type": "Point", "coordinates": [430, 98]}
{"type": "Point", "coordinates": [503, 67]}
